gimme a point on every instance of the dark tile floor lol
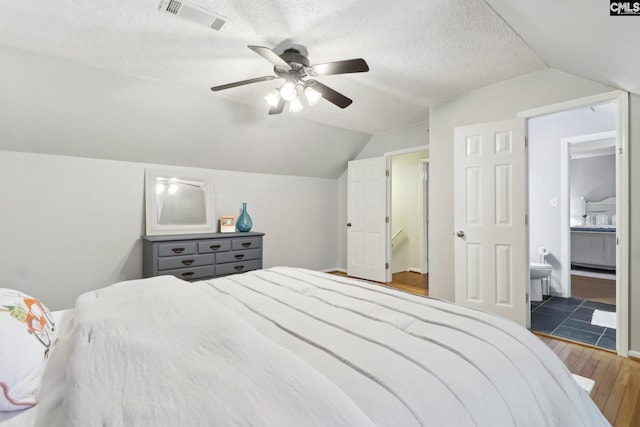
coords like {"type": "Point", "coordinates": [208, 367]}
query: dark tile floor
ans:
{"type": "Point", "coordinates": [571, 318]}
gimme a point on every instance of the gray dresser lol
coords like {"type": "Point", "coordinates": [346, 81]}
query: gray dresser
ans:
{"type": "Point", "coordinates": [201, 256]}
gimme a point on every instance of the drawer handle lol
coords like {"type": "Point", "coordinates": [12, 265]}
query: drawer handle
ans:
{"type": "Point", "coordinates": [239, 267]}
{"type": "Point", "coordinates": [239, 256]}
{"type": "Point", "coordinates": [188, 274]}
{"type": "Point", "coordinates": [177, 250]}
{"type": "Point", "coordinates": [187, 261]}
{"type": "Point", "coordinates": [215, 247]}
{"type": "Point", "coordinates": [246, 244]}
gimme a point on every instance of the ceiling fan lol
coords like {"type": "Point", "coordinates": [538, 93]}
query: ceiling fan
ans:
{"type": "Point", "coordinates": [300, 86]}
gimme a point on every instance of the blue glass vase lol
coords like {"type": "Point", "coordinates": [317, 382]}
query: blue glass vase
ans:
{"type": "Point", "coordinates": [244, 222]}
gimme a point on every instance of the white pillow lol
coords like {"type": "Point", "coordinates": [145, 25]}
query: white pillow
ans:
{"type": "Point", "coordinates": [27, 331]}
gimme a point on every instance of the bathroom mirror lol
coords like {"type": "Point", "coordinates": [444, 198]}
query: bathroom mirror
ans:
{"type": "Point", "coordinates": [178, 202]}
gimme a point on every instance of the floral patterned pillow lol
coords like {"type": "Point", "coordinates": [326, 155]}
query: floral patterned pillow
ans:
{"type": "Point", "coordinates": [27, 332]}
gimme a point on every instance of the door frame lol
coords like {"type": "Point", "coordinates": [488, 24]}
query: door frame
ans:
{"type": "Point", "coordinates": [423, 224]}
{"type": "Point", "coordinates": [622, 198]}
{"type": "Point", "coordinates": [565, 226]}
{"type": "Point", "coordinates": [423, 211]}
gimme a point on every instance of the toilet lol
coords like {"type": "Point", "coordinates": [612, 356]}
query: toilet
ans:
{"type": "Point", "coordinates": [538, 271]}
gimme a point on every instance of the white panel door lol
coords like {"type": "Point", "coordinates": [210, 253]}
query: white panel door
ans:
{"type": "Point", "coordinates": [491, 270]}
{"type": "Point", "coordinates": [367, 219]}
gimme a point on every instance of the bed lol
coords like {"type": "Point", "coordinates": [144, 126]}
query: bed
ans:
{"type": "Point", "coordinates": [293, 347]}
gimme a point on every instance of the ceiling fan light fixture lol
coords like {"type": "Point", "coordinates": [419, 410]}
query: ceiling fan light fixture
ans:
{"type": "Point", "coordinates": [299, 90]}
{"type": "Point", "coordinates": [295, 105]}
{"type": "Point", "coordinates": [273, 97]}
{"type": "Point", "coordinates": [312, 95]}
{"type": "Point", "coordinates": [288, 91]}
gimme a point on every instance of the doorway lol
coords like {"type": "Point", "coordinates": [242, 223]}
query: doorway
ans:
{"type": "Point", "coordinates": [576, 188]}
{"type": "Point", "coordinates": [409, 212]}
{"type": "Point", "coordinates": [589, 217]}
{"type": "Point", "coordinates": [369, 216]}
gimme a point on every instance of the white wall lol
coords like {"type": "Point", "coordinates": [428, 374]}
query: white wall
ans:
{"type": "Point", "coordinates": [591, 177]}
{"type": "Point", "coordinates": [397, 140]}
{"type": "Point", "coordinates": [69, 225]}
{"type": "Point", "coordinates": [545, 134]}
{"type": "Point", "coordinates": [497, 102]}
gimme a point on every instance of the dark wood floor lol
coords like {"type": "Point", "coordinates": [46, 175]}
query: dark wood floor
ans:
{"type": "Point", "coordinates": [617, 388]}
{"type": "Point", "coordinates": [407, 281]}
{"type": "Point", "coordinates": [411, 282]}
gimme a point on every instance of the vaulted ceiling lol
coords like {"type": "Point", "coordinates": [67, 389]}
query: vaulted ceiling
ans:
{"type": "Point", "coordinates": [419, 52]}
{"type": "Point", "coordinates": [578, 37]}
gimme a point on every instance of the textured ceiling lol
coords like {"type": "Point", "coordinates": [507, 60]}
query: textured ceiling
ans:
{"type": "Point", "coordinates": [579, 37]}
{"type": "Point", "coordinates": [418, 51]}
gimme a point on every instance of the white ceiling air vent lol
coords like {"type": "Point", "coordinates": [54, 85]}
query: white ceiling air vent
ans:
{"type": "Point", "coordinates": [192, 13]}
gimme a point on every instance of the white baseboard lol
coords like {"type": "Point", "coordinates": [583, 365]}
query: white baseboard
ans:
{"type": "Point", "coordinates": [415, 270]}
{"type": "Point", "coordinates": [634, 354]}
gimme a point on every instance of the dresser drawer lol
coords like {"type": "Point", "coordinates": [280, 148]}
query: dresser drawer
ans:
{"type": "Point", "coordinates": [177, 248]}
{"type": "Point", "coordinates": [236, 256]}
{"type": "Point", "coordinates": [246, 243]}
{"type": "Point", "coordinates": [201, 256]}
{"type": "Point", "coordinates": [185, 261]}
{"type": "Point", "coordinates": [238, 267]}
{"type": "Point", "coordinates": [191, 273]}
{"type": "Point", "coordinates": [214, 246]}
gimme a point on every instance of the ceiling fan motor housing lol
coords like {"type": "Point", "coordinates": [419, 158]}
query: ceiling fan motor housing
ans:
{"type": "Point", "coordinates": [299, 64]}
{"type": "Point", "coordinates": [293, 55]}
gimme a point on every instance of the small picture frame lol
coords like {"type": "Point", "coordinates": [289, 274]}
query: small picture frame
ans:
{"type": "Point", "coordinates": [227, 223]}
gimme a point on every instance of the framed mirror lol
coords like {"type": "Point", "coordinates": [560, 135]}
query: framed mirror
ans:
{"type": "Point", "coordinates": [178, 202]}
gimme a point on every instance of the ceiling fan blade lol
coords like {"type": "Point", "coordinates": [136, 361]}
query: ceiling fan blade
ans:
{"type": "Point", "coordinates": [243, 82]}
{"type": "Point", "coordinates": [271, 56]}
{"type": "Point", "coordinates": [278, 108]}
{"type": "Point", "coordinates": [330, 95]}
{"type": "Point", "coordinates": [341, 67]}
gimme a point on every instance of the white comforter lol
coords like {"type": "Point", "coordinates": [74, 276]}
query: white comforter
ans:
{"type": "Point", "coordinates": [162, 352]}
{"type": "Point", "coordinates": [292, 347]}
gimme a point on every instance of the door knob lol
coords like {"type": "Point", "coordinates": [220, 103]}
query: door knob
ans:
{"type": "Point", "coordinates": [348, 224]}
{"type": "Point", "coordinates": [460, 233]}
